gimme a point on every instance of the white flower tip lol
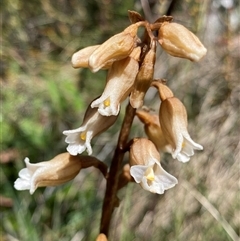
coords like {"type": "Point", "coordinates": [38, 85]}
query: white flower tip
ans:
{"type": "Point", "coordinates": [183, 158]}
{"type": "Point", "coordinates": [32, 189]}
{"type": "Point", "coordinates": [26, 160]}
{"type": "Point", "coordinates": [21, 184]}
{"type": "Point", "coordinates": [199, 147]}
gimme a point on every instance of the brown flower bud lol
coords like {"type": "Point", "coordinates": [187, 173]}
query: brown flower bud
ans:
{"type": "Point", "coordinates": [81, 57]}
{"type": "Point", "coordinates": [115, 48]}
{"type": "Point", "coordinates": [153, 129]}
{"type": "Point", "coordinates": [101, 237]}
{"type": "Point", "coordinates": [144, 78]}
{"type": "Point", "coordinates": [178, 41]}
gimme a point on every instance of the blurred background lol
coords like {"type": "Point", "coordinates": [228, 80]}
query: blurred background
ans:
{"type": "Point", "coordinates": [42, 95]}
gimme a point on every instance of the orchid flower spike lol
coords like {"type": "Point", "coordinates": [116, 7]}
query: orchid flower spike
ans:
{"type": "Point", "coordinates": [178, 41]}
{"type": "Point", "coordinates": [120, 81]}
{"type": "Point", "coordinates": [61, 169]}
{"type": "Point", "coordinates": [146, 168]}
{"type": "Point", "coordinates": [173, 120]}
{"type": "Point", "coordinates": [93, 124]}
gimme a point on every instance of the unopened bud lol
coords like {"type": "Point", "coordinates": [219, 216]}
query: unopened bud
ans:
{"type": "Point", "coordinates": [115, 48]}
{"type": "Point", "coordinates": [101, 237]}
{"type": "Point", "coordinates": [178, 41]}
{"type": "Point", "coordinates": [144, 78]}
{"type": "Point", "coordinates": [153, 129]}
{"type": "Point", "coordinates": [80, 58]}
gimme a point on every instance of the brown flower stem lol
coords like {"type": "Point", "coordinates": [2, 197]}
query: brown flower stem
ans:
{"type": "Point", "coordinates": [110, 199]}
{"type": "Point", "coordinates": [90, 161]}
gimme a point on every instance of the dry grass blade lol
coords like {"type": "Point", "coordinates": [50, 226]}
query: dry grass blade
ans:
{"type": "Point", "coordinates": [212, 210]}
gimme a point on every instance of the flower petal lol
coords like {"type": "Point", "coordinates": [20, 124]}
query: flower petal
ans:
{"type": "Point", "coordinates": [76, 148]}
{"type": "Point", "coordinates": [183, 157]}
{"type": "Point", "coordinates": [22, 184]}
{"type": "Point", "coordinates": [137, 172]}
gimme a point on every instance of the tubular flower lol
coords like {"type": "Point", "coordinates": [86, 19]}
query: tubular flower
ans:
{"type": "Point", "coordinates": [93, 124]}
{"type": "Point", "coordinates": [153, 130]}
{"type": "Point", "coordinates": [120, 80]}
{"type": "Point", "coordinates": [173, 120]}
{"type": "Point", "coordinates": [144, 77]}
{"type": "Point", "coordinates": [115, 48]}
{"type": "Point", "coordinates": [81, 57]}
{"type": "Point", "coordinates": [61, 169]}
{"type": "Point", "coordinates": [178, 41]}
{"type": "Point", "coordinates": [146, 168]}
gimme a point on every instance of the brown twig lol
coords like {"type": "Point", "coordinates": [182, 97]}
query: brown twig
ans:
{"type": "Point", "coordinates": [110, 199]}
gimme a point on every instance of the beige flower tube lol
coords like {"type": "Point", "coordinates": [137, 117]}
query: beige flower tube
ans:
{"type": "Point", "coordinates": [61, 169]}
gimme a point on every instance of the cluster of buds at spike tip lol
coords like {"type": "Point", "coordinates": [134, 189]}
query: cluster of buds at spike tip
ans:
{"type": "Point", "coordinates": [130, 60]}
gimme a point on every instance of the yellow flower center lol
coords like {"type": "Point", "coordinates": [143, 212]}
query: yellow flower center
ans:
{"type": "Point", "coordinates": [106, 102]}
{"type": "Point", "coordinates": [83, 136]}
{"type": "Point", "coordinates": [149, 174]}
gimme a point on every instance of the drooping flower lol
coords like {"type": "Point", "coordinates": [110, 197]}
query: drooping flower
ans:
{"type": "Point", "coordinates": [115, 48]}
{"type": "Point", "coordinates": [146, 168]}
{"type": "Point", "coordinates": [120, 80]}
{"type": "Point", "coordinates": [58, 170]}
{"type": "Point", "coordinates": [173, 120]}
{"type": "Point", "coordinates": [178, 41]}
{"type": "Point", "coordinates": [144, 77]}
{"type": "Point", "coordinates": [93, 124]}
